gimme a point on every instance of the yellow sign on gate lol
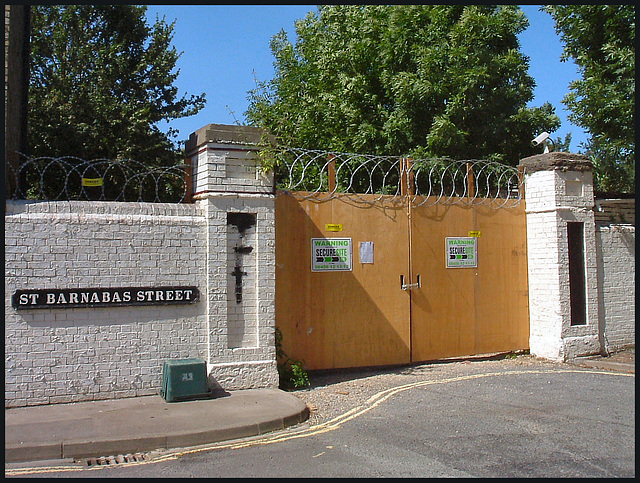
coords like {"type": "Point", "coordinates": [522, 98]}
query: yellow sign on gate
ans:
{"type": "Point", "coordinates": [333, 227]}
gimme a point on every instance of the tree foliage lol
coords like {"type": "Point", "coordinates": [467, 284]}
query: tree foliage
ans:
{"type": "Point", "coordinates": [601, 41]}
{"type": "Point", "coordinates": [101, 80]}
{"type": "Point", "coordinates": [427, 80]}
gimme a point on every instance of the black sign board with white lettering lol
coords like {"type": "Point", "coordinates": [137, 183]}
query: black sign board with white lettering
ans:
{"type": "Point", "coordinates": [103, 297]}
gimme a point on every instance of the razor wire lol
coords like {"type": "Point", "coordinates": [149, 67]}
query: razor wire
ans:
{"type": "Point", "coordinates": [323, 175]}
{"type": "Point", "coordinates": [74, 179]}
{"type": "Point", "coordinates": [303, 173]}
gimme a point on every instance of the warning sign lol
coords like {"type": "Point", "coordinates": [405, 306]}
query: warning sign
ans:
{"type": "Point", "coordinates": [462, 252]}
{"type": "Point", "coordinates": [331, 254]}
{"type": "Point", "coordinates": [333, 227]}
{"type": "Point", "coordinates": [92, 182]}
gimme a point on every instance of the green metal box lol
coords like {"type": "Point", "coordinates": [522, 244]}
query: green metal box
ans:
{"type": "Point", "coordinates": [184, 379]}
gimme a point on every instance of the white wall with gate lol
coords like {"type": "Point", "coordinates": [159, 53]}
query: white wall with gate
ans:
{"type": "Point", "coordinates": [224, 244]}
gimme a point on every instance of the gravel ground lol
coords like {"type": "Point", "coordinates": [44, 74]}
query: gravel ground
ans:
{"type": "Point", "coordinates": [332, 393]}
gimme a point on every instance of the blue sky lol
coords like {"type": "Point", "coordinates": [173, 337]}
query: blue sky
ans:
{"type": "Point", "coordinates": [223, 45]}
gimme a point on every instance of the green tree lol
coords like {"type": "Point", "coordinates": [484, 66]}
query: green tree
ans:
{"type": "Point", "coordinates": [421, 80]}
{"type": "Point", "coordinates": [561, 145]}
{"type": "Point", "coordinates": [101, 80]}
{"type": "Point", "coordinates": [601, 41]}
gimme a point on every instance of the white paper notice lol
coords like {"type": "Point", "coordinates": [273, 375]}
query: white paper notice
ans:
{"type": "Point", "coordinates": [366, 252]}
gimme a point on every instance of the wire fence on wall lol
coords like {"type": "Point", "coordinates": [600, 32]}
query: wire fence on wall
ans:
{"type": "Point", "coordinates": [75, 179]}
{"type": "Point", "coordinates": [323, 175]}
{"type": "Point", "coordinates": [303, 173]}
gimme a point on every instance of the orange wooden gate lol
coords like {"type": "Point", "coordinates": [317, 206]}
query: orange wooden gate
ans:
{"type": "Point", "coordinates": [406, 306]}
{"type": "Point", "coordinates": [468, 311]}
{"type": "Point", "coordinates": [342, 318]}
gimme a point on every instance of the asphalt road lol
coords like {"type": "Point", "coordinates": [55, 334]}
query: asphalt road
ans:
{"type": "Point", "coordinates": [535, 422]}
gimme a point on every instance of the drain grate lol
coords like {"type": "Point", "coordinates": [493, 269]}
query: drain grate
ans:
{"type": "Point", "coordinates": [116, 460]}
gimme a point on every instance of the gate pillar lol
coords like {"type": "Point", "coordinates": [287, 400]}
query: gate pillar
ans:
{"type": "Point", "coordinates": [238, 205]}
{"type": "Point", "coordinates": [563, 298]}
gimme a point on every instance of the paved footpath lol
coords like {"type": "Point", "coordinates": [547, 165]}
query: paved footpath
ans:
{"type": "Point", "coordinates": [133, 425]}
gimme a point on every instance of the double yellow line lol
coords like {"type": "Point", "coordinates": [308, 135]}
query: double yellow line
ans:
{"type": "Point", "coordinates": [331, 425]}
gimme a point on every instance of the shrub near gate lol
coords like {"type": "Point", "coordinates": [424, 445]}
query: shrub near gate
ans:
{"type": "Point", "coordinates": [291, 371]}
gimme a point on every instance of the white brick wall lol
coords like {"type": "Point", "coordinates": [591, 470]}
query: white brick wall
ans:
{"type": "Point", "coordinates": [616, 274]}
{"type": "Point", "coordinates": [77, 354]}
{"type": "Point", "coordinates": [238, 362]}
{"type": "Point", "coordinates": [545, 318]}
{"type": "Point", "coordinates": [580, 340]}
{"type": "Point", "coordinates": [555, 197]}
{"type": "Point", "coordinates": [242, 293]}
{"type": "Point", "coordinates": [227, 180]}
{"type": "Point", "coordinates": [74, 354]}
{"type": "Point", "coordinates": [558, 191]}
{"type": "Point", "coordinates": [223, 168]}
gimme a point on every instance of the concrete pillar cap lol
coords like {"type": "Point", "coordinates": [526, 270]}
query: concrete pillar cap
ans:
{"type": "Point", "coordinates": [556, 161]}
{"type": "Point", "coordinates": [226, 134]}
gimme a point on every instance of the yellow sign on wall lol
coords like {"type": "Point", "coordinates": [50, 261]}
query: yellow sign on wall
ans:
{"type": "Point", "coordinates": [92, 181]}
{"type": "Point", "coordinates": [475, 234]}
{"type": "Point", "coordinates": [333, 227]}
